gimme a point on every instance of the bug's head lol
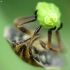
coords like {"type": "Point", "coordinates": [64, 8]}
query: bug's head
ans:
{"type": "Point", "coordinates": [48, 14]}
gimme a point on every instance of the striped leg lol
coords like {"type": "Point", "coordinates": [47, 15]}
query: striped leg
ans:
{"type": "Point", "coordinates": [58, 39]}
{"type": "Point", "coordinates": [21, 21]}
{"type": "Point", "coordinates": [48, 45]}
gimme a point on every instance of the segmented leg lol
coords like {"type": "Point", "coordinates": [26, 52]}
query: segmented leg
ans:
{"type": "Point", "coordinates": [48, 45]}
{"type": "Point", "coordinates": [17, 47]}
{"type": "Point", "coordinates": [58, 39]}
{"type": "Point", "coordinates": [34, 36]}
{"type": "Point", "coordinates": [19, 24]}
{"type": "Point", "coordinates": [29, 44]}
{"type": "Point", "coordinates": [24, 49]}
{"type": "Point", "coordinates": [21, 21]}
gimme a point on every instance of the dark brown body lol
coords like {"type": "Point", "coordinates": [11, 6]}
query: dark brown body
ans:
{"type": "Point", "coordinates": [26, 49]}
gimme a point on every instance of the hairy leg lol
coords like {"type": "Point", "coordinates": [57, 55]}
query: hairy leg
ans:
{"type": "Point", "coordinates": [21, 21]}
{"type": "Point", "coordinates": [48, 45]}
{"type": "Point", "coordinates": [58, 39]}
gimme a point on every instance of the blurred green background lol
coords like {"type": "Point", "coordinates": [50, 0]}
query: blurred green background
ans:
{"type": "Point", "coordinates": [11, 9]}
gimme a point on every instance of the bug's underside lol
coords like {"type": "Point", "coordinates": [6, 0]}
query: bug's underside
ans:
{"type": "Point", "coordinates": [45, 58]}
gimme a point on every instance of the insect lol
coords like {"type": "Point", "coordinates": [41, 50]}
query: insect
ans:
{"type": "Point", "coordinates": [49, 16]}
